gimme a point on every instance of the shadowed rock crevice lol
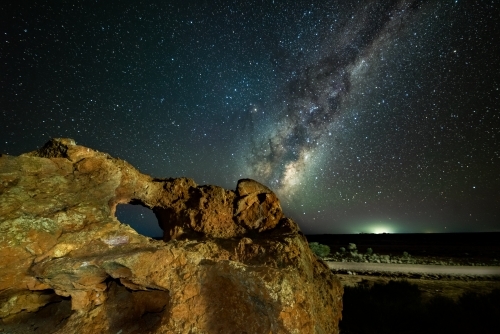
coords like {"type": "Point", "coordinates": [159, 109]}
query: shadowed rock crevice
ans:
{"type": "Point", "coordinates": [232, 261]}
{"type": "Point", "coordinates": [135, 311]}
{"type": "Point", "coordinates": [42, 312]}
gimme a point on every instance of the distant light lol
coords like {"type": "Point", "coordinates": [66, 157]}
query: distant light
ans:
{"type": "Point", "coordinates": [381, 229]}
{"type": "Point", "coordinates": [377, 227]}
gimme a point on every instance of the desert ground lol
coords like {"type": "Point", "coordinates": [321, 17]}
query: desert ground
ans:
{"type": "Point", "coordinates": [430, 287]}
{"type": "Point", "coordinates": [454, 250]}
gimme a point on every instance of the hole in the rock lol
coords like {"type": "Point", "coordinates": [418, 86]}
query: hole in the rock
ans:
{"type": "Point", "coordinates": [140, 218]}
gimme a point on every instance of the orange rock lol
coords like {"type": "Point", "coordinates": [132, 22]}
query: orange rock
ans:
{"type": "Point", "coordinates": [257, 207]}
{"type": "Point", "coordinates": [69, 266]}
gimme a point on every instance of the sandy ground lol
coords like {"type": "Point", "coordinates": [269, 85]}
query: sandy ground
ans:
{"type": "Point", "coordinates": [451, 288]}
{"type": "Point", "coordinates": [422, 269]}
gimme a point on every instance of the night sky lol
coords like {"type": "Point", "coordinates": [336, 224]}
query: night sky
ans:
{"type": "Point", "coordinates": [362, 116]}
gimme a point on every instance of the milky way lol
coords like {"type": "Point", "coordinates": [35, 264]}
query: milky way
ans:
{"type": "Point", "coordinates": [362, 115]}
{"type": "Point", "coordinates": [314, 95]}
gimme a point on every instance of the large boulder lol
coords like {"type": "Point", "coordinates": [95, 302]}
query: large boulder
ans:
{"type": "Point", "coordinates": [229, 262]}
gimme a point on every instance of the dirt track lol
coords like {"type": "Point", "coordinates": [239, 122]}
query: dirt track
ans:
{"type": "Point", "coordinates": [416, 268]}
{"type": "Point", "coordinates": [432, 280]}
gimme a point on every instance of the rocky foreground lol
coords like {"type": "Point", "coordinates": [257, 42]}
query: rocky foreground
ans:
{"type": "Point", "coordinates": [229, 262]}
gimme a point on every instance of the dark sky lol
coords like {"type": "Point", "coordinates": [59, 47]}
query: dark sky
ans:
{"type": "Point", "coordinates": [363, 116]}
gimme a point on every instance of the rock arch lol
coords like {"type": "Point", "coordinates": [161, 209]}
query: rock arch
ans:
{"type": "Point", "coordinates": [141, 218]}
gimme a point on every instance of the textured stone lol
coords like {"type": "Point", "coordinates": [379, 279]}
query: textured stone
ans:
{"type": "Point", "coordinates": [257, 207]}
{"type": "Point", "coordinates": [229, 262]}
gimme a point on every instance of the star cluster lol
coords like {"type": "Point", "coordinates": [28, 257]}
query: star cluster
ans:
{"type": "Point", "coordinates": [357, 113]}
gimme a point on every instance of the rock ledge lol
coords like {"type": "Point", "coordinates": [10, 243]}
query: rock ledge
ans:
{"type": "Point", "coordinates": [229, 262]}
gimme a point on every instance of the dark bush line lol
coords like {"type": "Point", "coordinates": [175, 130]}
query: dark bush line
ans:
{"type": "Point", "coordinates": [319, 249]}
{"type": "Point", "coordinates": [397, 307]}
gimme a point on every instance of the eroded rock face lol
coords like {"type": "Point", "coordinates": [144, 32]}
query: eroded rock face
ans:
{"type": "Point", "coordinates": [230, 261]}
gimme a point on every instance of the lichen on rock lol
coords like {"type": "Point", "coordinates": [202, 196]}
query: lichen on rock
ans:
{"type": "Point", "coordinates": [230, 261]}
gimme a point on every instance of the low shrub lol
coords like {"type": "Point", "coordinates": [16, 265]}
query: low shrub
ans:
{"type": "Point", "coordinates": [319, 249]}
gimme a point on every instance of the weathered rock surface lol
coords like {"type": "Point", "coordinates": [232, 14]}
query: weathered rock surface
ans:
{"type": "Point", "coordinates": [230, 261]}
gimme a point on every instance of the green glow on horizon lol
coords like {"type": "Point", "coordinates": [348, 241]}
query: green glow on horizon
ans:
{"type": "Point", "coordinates": [378, 227]}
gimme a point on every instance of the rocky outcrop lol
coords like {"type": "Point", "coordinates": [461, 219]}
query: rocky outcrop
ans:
{"type": "Point", "coordinates": [229, 262]}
